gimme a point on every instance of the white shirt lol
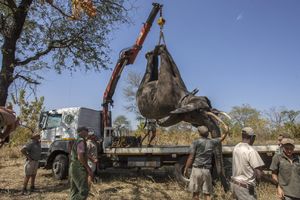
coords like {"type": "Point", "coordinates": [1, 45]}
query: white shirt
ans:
{"type": "Point", "coordinates": [244, 160]}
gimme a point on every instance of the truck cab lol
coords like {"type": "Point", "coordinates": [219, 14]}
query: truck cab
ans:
{"type": "Point", "coordinates": [58, 131]}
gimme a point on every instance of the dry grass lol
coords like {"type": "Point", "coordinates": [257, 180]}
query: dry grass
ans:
{"type": "Point", "coordinates": [113, 184]}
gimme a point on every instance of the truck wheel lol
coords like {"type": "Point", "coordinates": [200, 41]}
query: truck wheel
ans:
{"type": "Point", "coordinates": [60, 167]}
{"type": "Point", "coordinates": [178, 171]}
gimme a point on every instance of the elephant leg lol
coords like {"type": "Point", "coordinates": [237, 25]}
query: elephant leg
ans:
{"type": "Point", "coordinates": [169, 71]}
{"type": "Point", "coordinates": [151, 73]}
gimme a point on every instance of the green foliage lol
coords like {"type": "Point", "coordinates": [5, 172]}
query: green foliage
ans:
{"type": "Point", "coordinates": [29, 117]}
{"type": "Point", "coordinates": [43, 37]}
{"type": "Point", "coordinates": [122, 122]}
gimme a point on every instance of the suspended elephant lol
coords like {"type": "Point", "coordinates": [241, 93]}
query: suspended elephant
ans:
{"type": "Point", "coordinates": [162, 95]}
{"type": "Point", "coordinates": [8, 123]}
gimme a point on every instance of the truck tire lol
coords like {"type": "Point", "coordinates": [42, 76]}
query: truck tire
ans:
{"type": "Point", "coordinates": [178, 172]}
{"type": "Point", "coordinates": [60, 167]}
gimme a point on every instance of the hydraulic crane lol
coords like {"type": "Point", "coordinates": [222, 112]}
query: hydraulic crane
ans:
{"type": "Point", "coordinates": [127, 57]}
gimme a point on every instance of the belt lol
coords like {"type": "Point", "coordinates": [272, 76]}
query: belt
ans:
{"type": "Point", "coordinates": [244, 185]}
{"type": "Point", "coordinates": [201, 167]}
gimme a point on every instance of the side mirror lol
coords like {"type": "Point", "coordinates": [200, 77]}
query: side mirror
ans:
{"type": "Point", "coordinates": [42, 120]}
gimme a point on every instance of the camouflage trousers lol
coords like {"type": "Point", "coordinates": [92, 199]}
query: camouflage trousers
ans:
{"type": "Point", "coordinates": [79, 189]}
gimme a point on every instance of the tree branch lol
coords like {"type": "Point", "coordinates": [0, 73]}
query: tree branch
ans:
{"type": "Point", "coordinates": [11, 4]}
{"type": "Point", "coordinates": [35, 57]}
{"type": "Point", "coordinates": [59, 10]}
{"type": "Point", "coordinates": [27, 79]}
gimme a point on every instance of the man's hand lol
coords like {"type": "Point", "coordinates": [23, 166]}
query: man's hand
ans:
{"type": "Point", "coordinates": [90, 173]}
{"type": "Point", "coordinates": [185, 173]}
{"type": "Point", "coordinates": [280, 192]}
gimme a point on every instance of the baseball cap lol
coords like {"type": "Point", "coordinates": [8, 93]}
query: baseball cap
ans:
{"type": "Point", "coordinates": [202, 129]}
{"type": "Point", "coordinates": [287, 141]}
{"type": "Point", "coordinates": [248, 131]}
{"type": "Point", "coordinates": [82, 128]}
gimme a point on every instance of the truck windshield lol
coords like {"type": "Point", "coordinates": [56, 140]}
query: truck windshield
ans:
{"type": "Point", "coordinates": [53, 121]}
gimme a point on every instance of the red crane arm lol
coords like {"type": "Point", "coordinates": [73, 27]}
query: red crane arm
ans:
{"type": "Point", "coordinates": [127, 57]}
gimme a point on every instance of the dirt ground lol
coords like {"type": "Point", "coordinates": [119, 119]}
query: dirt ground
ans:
{"type": "Point", "coordinates": [113, 184]}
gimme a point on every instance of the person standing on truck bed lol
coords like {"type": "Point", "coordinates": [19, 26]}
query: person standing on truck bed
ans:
{"type": "Point", "coordinates": [246, 167]}
{"type": "Point", "coordinates": [32, 151]}
{"type": "Point", "coordinates": [286, 171]}
{"type": "Point", "coordinates": [200, 157]}
{"type": "Point", "coordinates": [151, 131]}
{"type": "Point", "coordinates": [79, 169]}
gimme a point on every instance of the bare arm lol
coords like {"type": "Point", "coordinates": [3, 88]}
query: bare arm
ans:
{"type": "Point", "coordinates": [260, 175]}
{"type": "Point", "coordinates": [189, 162]}
{"type": "Point", "coordinates": [24, 152]}
{"type": "Point", "coordinates": [83, 161]}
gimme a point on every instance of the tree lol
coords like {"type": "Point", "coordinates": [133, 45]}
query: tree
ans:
{"type": "Point", "coordinates": [29, 116]}
{"type": "Point", "coordinates": [129, 92]}
{"type": "Point", "coordinates": [36, 37]}
{"type": "Point", "coordinates": [122, 122]}
{"type": "Point", "coordinates": [245, 115]}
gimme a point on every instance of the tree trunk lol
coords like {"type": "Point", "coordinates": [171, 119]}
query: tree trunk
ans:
{"type": "Point", "coordinates": [7, 69]}
{"type": "Point", "coordinates": [9, 49]}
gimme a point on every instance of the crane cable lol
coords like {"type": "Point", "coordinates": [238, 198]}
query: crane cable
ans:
{"type": "Point", "coordinates": [161, 22]}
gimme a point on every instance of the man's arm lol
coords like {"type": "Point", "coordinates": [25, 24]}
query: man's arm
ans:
{"type": "Point", "coordinates": [189, 163]}
{"type": "Point", "coordinates": [25, 153]}
{"type": "Point", "coordinates": [81, 148]}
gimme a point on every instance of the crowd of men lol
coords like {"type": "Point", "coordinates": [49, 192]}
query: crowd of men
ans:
{"type": "Point", "coordinates": [247, 165]}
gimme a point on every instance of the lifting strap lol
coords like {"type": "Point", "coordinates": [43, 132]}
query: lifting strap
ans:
{"type": "Point", "coordinates": [161, 22]}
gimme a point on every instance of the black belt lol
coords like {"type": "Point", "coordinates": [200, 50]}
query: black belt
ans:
{"type": "Point", "coordinates": [201, 167]}
{"type": "Point", "coordinates": [244, 185]}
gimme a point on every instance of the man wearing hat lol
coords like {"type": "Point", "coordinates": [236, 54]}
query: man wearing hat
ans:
{"type": "Point", "coordinates": [32, 151]}
{"type": "Point", "coordinates": [286, 171]}
{"type": "Point", "coordinates": [200, 158]}
{"type": "Point", "coordinates": [246, 167]}
{"type": "Point", "coordinates": [79, 169]}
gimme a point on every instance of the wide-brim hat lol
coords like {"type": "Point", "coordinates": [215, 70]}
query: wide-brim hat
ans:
{"type": "Point", "coordinates": [287, 141]}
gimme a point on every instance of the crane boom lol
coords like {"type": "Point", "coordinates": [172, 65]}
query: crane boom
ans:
{"type": "Point", "coordinates": [127, 57]}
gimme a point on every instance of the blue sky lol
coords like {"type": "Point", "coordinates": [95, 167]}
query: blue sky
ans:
{"type": "Point", "coordinates": [235, 52]}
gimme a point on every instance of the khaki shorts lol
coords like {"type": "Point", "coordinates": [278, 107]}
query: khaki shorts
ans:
{"type": "Point", "coordinates": [200, 181]}
{"type": "Point", "coordinates": [31, 167]}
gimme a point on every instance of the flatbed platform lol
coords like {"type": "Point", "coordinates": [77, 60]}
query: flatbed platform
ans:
{"type": "Point", "coordinates": [181, 150]}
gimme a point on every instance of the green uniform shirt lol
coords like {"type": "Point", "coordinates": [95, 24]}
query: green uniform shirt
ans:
{"type": "Point", "coordinates": [288, 174]}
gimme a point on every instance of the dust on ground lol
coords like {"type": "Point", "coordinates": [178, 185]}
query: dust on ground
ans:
{"type": "Point", "coordinates": [120, 184]}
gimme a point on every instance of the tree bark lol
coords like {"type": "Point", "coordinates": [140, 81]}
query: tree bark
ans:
{"type": "Point", "coordinates": [7, 69]}
{"type": "Point", "coordinates": [9, 49]}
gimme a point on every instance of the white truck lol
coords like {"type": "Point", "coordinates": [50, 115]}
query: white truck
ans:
{"type": "Point", "coordinates": [59, 129]}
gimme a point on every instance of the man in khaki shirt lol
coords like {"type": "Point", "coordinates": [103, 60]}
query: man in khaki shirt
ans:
{"type": "Point", "coordinates": [246, 167]}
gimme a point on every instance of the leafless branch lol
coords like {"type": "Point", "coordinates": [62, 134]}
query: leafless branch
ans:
{"type": "Point", "coordinates": [27, 79]}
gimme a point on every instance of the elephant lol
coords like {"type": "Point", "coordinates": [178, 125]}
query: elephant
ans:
{"type": "Point", "coordinates": [162, 95]}
{"type": "Point", "coordinates": [8, 123]}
